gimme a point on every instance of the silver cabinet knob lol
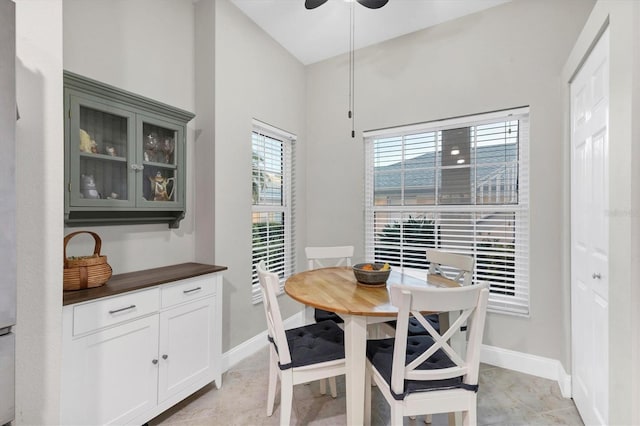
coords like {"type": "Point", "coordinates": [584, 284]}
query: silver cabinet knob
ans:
{"type": "Point", "coordinates": [155, 361]}
{"type": "Point", "coordinates": [595, 276]}
{"type": "Point", "coordinates": [165, 356]}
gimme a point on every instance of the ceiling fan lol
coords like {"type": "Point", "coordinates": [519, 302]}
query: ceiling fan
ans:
{"type": "Point", "coordinates": [371, 4]}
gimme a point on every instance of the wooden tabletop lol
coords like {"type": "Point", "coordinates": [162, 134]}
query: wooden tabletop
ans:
{"type": "Point", "coordinates": [336, 289]}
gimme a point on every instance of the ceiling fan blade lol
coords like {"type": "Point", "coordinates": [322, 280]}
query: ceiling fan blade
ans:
{"type": "Point", "coordinates": [312, 4]}
{"type": "Point", "coordinates": [373, 4]}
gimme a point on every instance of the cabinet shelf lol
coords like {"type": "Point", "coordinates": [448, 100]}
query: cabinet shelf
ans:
{"type": "Point", "coordinates": [160, 165]}
{"type": "Point", "coordinates": [123, 216]}
{"type": "Point", "coordinates": [103, 157]}
{"type": "Point", "coordinates": [125, 156]}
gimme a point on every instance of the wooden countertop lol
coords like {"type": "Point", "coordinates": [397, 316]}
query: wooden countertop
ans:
{"type": "Point", "coordinates": [130, 281]}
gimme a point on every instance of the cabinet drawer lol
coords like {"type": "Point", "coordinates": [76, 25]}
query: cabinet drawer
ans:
{"type": "Point", "coordinates": [186, 290]}
{"type": "Point", "coordinates": [105, 312]}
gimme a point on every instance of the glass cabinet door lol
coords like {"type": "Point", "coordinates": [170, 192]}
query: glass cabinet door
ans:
{"type": "Point", "coordinates": [160, 152]}
{"type": "Point", "coordinates": [101, 136]}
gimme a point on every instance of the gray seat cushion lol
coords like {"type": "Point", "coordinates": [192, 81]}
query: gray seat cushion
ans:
{"type": "Point", "coordinates": [322, 315]}
{"type": "Point", "coordinates": [416, 329]}
{"type": "Point", "coordinates": [380, 354]}
{"type": "Point", "coordinates": [314, 343]}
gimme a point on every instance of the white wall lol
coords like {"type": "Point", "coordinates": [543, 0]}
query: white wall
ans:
{"type": "Point", "coordinates": [151, 54]}
{"type": "Point", "coordinates": [507, 56]}
{"type": "Point", "coordinates": [254, 78]}
{"type": "Point", "coordinates": [205, 130]}
{"type": "Point", "coordinates": [39, 174]}
{"type": "Point", "coordinates": [623, 18]}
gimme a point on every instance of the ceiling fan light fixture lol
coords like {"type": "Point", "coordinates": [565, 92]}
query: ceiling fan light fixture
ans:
{"type": "Point", "coordinates": [312, 4]}
{"type": "Point", "coordinates": [373, 4]}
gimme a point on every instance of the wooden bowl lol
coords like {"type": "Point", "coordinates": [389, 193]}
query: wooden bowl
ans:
{"type": "Point", "coordinates": [371, 278]}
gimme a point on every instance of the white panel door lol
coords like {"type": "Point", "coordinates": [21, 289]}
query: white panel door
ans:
{"type": "Point", "coordinates": [590, 235]}
{"type": "Point", "coordinates": [115, 376]}
{"type": "Point", "coordinates": [186, 347]}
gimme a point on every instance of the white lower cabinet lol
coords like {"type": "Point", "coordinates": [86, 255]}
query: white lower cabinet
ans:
{"type": "Point", "coordinates": [185, 347]}
{"type": "Point", "coordinates": [129, 357]}
{"type": "Point", "coordinates": [112, 378]}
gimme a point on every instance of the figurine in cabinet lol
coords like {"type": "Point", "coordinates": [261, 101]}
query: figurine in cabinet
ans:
{"type": "Point", "coordinates": [167, 149]}
{"type": "Point", "coordinates": [86, 143]}
{"type": "Point", "coordinates": [151, 146]}
{"type": "Point", "coordinates": [160, 187]}
{"type": "Point", "coordinates": [88, 187]}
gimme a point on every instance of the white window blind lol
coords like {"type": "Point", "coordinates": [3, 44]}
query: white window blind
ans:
{"type": "Point", "coordinates": [460, 185]}
{"type": "Point", "coordinates": [273, 211]}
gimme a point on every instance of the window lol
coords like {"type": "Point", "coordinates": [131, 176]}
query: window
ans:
{"type": "Point", "coordinates": [272, 218]}
{"type": "Point", "coordinates": [459, 185]}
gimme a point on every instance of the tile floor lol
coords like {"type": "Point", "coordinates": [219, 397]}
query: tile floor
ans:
{"type": "Point", "coordinates": [505, 398]}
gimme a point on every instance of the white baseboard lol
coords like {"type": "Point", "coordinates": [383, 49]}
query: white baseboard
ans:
{"type": "Point", "coordinates": [546, 368]}
{"type": "Point", "coordinates": [256, 343]}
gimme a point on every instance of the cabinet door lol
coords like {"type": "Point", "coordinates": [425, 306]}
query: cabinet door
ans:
{"type": "Point", "coordinates": [114, 376]}
{"type": "Point", "coordinates": [161, 154]}
{"type": "Point", "coordinates": [186, 347]}
{"type": "Point", "coordinates": [101, 142]}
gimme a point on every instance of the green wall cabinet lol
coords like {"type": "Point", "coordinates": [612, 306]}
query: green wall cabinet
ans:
{"type": "Point", "coordinates": [125, 156]}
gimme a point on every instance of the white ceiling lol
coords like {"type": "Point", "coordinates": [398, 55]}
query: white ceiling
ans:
{"type": "Point", "coordinates": [314, 35]}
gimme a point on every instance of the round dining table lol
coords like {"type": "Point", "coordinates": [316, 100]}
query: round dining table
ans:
{"type": "Point", "coordinates": [335, 289]}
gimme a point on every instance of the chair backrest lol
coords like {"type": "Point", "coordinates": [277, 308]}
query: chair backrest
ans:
{"type": "Point", "coordinates": [270, 287]}
{"type": "Point", "coordinates": [317, 256]}
{"type": "Point", "coordinates": [471, 300]}
{"type": "Point", "coordinates": [443, 262]}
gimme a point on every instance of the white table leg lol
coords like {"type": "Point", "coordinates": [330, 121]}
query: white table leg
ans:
{"type": "Point", "coordinates": [308, 315]}
{"type": "Point", "coordinates": [355, 336]}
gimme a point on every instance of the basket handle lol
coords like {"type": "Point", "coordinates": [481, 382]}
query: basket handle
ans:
{"type": "Point", "coordinates": [96, 237]}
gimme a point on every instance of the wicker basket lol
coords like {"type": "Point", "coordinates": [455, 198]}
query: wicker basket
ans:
{"type": "Point", "coordinates": [85, 271]}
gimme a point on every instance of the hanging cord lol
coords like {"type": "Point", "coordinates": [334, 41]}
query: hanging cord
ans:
{"type": "Point", "coordinates": [350, 64]}
{"type": "Point", "coordinates": [352, 26]}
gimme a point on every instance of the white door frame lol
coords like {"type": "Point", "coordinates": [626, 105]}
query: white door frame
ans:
{"type": "Point", "coordinates": [590, 235]}
{"type": "Point", "coordinates": [623, 18]}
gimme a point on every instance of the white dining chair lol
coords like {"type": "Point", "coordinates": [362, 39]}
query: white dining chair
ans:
{"type": "Point", "coordinates": [322, 257]}
{"type": "Point", "coordinates": [299, 355]}
{"type": "Point", "coordinates": [424, 374]}
{"type": "Point", "coordinates": [453, 268]}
